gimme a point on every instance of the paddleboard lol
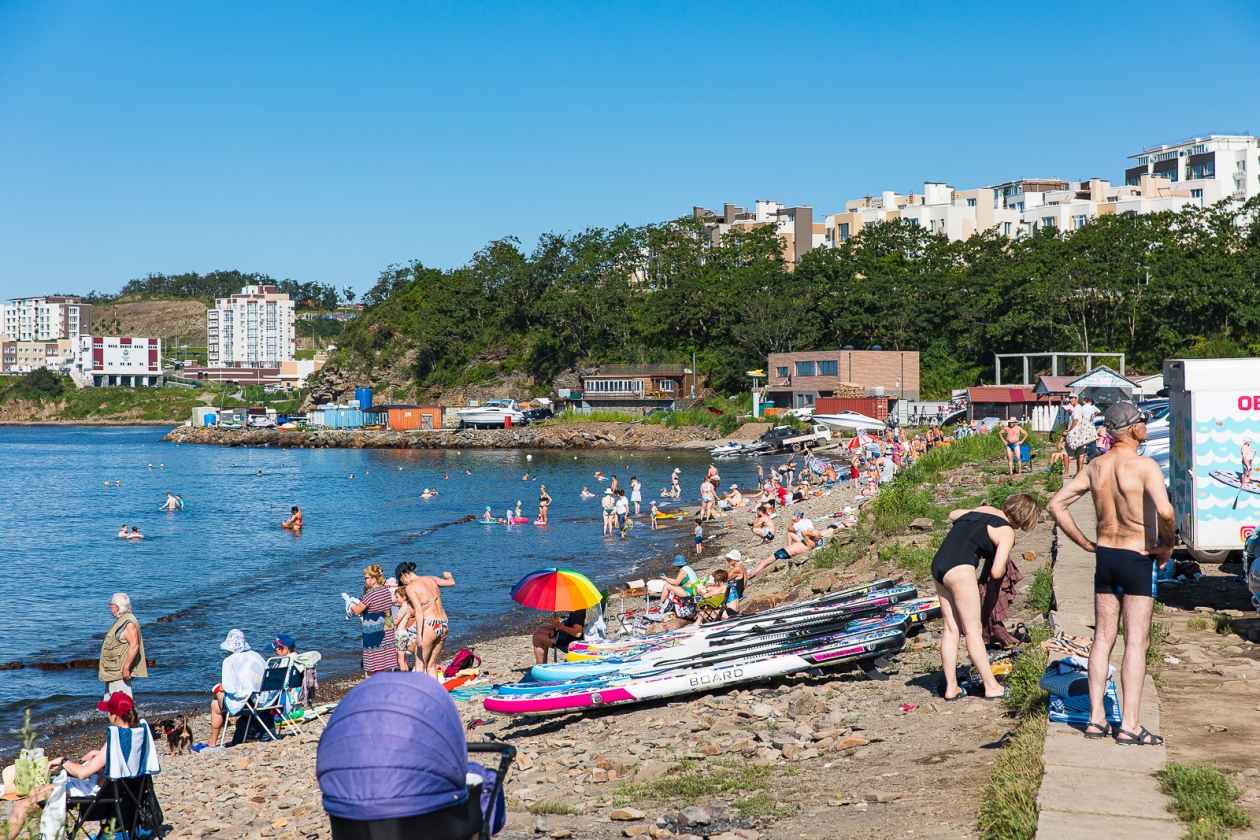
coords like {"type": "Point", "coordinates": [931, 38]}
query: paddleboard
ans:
{"type": "Point", "coordinates": [1234, 479]}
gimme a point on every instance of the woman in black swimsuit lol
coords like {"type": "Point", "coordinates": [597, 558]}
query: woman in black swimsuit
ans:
{"type": "Point", "coordinates": [982, 535]}
{"type": "Point", "coordinates": [544, 501]}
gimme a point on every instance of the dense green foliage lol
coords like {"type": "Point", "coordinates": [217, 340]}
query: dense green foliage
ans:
{"type": "Point", "coordinates": [1204, 797]}
{"type": "Point", "coordinates": [218, 284]}
{"type": "Point", "coordinates": [1154, 286]}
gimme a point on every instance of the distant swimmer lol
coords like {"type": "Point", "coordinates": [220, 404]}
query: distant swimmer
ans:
{"type": "Point", "coordinates": [587, 494]}
{"type": "Point", "coordinates": [468, 472]}
{"type": "Point", "coordinates": [135, 534]}
{"type": "Point", "coordinates": [294, 522]}
{"type": "Point", "coordinates": [447, 476]}
{"type": "Point", "coordinates": [179, 501]}
{"type": "Point", "coordinates": [122, 535]}
{"type": "Point", "coordinates": [107, 484]}
{"type": "Point", "coordinates": [352, 475]}
{"type": "Point", "coordinates": [161, 466]}
{"type": "Point", "coordinates": [118, 484]}
{"type": "Point", "coordinates": [525, 477]}
{"type": "Point", "coordinates": [260, 472]}
{"type": "Point", "coordinates": [600, 475]}
{"type": "Point", "coordinates": [487, 517]}
{"type": "Point", "coordinates": [150, 466]}
{"type": "Point", "coordinates": [428, 494]}
{"type": "Point", "coordinates": [170, 504]}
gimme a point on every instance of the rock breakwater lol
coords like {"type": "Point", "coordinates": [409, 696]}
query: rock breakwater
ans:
{"type": "Point", "coordinates": [560, 436]}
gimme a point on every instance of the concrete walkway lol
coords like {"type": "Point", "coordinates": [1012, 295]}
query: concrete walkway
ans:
{"type": "Point", "coordinates": [1098, 789]}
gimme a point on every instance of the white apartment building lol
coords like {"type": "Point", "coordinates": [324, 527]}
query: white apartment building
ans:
{"type": "Point", "coordinates": [254, 330]}
{"type": "Point", "coordinates": [1210, 168]}
{"type": "Point", "coordinates": [957, 214]}
{"type": "Point", "coordinates": [45, 318]}
{"type": "Point", "coordinates": [126, 361]}
{"type": "Point", "coordinates": [795, 225]}
{"type": "Point", "coordinates": [1077, 203]}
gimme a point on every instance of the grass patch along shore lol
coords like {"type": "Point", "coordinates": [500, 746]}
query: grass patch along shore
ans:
{"type": "Point", "coordinates": [1203, 797]}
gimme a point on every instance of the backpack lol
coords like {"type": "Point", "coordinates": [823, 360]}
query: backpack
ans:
{"type": "Point", "coordinates": [464, 659]}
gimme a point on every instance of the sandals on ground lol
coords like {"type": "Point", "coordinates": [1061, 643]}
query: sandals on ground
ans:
{"type": "Point", "coordinates": [1021, 634]}
{"type": "Point", "coordinates": [1142, 738]}
{"type": "Point", "coordinates": [1103, 730]}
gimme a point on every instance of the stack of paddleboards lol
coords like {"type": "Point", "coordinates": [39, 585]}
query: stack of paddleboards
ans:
{"type": "Point", "coordinates": [851, 625]}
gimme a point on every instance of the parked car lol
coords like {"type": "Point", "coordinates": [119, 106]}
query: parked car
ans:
{"type": "Point", "coordinates": [537, 415]}
{"type": "Point", "coordinates": [786, 437]}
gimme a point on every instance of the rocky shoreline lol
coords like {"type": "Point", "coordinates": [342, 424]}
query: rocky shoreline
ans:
{"type": "Point", "coordinates": [558, 436]}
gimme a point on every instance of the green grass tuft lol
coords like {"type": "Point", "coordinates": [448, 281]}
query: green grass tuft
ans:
{"type": "Point", "coordinates": [1203, 796]}
{"type": "Point", "coordinates": [1224, 624]}
{"type": "Point", "coordinates": [603, 415]}
{"type": "Point", "coordinates": [693, 780]}
{"type": "Point", "coordinates": [1009, 808]}
{"type": "Point", "coordinates": [1041, 592]}
{"type": "Point", "coordinates": [917, 561]}
{"type": "Point", "coordinates": [1024, 697]}
{"type": "Point", "coordinates": [1196, 623]}
{"type": "Point", "coordinates": [549, 807]}
{"type": "Point", "coordinates": [1155, 651]}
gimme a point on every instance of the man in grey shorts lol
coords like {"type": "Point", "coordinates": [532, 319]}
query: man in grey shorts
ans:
{"type": "Point", "coordinates": [1135, 533]}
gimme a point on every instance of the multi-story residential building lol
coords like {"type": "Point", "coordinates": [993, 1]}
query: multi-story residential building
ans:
{"type": "Point", "coordinates": [940, 209]}
{"type": "Point", "coordinates": [1211, 168]}
{"type": "Point", "coordinates": [1072, 207]}
{"type": "Point", "coordinates": [797, 380]}
{"type": "Point", "coordinates": [45, 318]}
{"type": "Point", "coordinates": [26, 356]}
{"type": "Point", "coordinates": [250, 334]}
{"type": "Point", "coordinates": [127, 361]}
{"type": "Point", "coordinates": [795, 225]}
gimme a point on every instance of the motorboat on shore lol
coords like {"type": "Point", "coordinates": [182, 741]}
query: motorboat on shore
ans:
{"type": "Point", "coordinates": [849, 421]}
{"type": "Point", "coordinates": [492, 413]}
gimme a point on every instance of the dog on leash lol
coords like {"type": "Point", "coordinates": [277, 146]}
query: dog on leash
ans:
{"type": "Point", "coordinates": [178, 733]}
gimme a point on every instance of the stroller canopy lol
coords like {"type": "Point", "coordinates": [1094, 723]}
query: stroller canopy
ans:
{"type": "Point", "coordinates": [393, 748]}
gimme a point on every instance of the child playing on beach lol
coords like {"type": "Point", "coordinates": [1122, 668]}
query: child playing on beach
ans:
{"type": "Point", "coordinates": [699, 537]}
{"type": "Point", "coordinates": [404, 627]}
{"type": "Point", "coordinates": [653, 516]}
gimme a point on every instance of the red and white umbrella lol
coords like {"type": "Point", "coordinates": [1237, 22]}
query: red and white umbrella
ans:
{"type": "Point", "coordinates": [861, 440]}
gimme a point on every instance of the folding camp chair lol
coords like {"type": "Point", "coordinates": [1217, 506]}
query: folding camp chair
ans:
{"type": "Point", "coordinates": [280, 677]}
{"type": "Point", "coordinates": [127, 797]}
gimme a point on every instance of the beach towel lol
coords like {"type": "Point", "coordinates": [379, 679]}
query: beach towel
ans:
{"type": "Point", "coordinates": [996, 599]}
{"type": "Point", "coordinates": [131, 752]}
{"type": "Point", "coordinates": [1068, 684]}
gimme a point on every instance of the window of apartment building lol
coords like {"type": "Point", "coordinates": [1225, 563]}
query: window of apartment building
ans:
{"type": "Point", "coordinates": [1200, 171]}
{"type": "Point", "coordinates": [782, 371]}
{"type": "Point", "coordinates": [844, 232]}
{"type": "Point", "coordinates": [1078, 222]}
{"type": "Point", "coordinates": [971, 202]}
{"type": "Point", "coordinates": [1047, 221]}
{"type": "Point", "coordinates": [804, 400]}
{"type": "Point", "coordinates": [1196, 193]}
{"type": "Point", "coordinates": [804, 368]}
{"type": "Point", "coordinates": [1007, 228]}
{"type": "Point", "coordinates": [829, 368]}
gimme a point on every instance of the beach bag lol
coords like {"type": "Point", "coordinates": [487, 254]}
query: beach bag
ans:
{"type": "Point", "coordinates": [464, 659]}
{"type": "Point", "coordinates": [30, 770]}
{"type": "Point", "coordinates": [1068, 684]}
{"type": "Point", "coordinates": [1082, 434]}
{"type": "Point", "coordinates": [685, 607]}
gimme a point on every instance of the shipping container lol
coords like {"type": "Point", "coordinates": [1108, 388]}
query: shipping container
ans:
{"type": "Point", "coordinates": [337, 417]}
{"type": "Point", "coordinates": [414, 417]}
{"type": "Point", "coordinates": [876, 407]}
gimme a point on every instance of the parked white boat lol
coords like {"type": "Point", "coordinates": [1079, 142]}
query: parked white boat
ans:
{"type": "Point", "coordinates": [849, 421]}
{"type": "Point", "coordinates": [727, 449]}
{"type": "Point", "coordinates": [492, 413]}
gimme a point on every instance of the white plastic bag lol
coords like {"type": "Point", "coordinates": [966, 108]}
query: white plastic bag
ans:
{"type": "Point", "coordinates": [52, 823]}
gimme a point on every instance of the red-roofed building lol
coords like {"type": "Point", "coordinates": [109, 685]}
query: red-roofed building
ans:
{"type": "Point", "coordinates": [1000, 401]}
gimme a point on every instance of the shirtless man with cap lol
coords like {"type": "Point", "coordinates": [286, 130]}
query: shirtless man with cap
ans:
{"type": "Point", "coordinates": [424, 593]}
{"type": "Point", "coordinates": [1135, 533]}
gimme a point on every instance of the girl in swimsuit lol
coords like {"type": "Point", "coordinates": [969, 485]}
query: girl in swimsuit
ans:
{"type": "Point", "coordinates": [979, 536]}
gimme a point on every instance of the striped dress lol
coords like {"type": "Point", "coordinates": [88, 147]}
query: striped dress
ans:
{"type": "Point", "coordinates": [378, 632]}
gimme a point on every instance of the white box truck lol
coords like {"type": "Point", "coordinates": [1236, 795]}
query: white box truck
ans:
{"type": "Point", "coordinates": [1213, 423]}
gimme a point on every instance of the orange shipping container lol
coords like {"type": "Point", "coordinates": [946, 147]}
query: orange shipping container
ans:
{"type": "Point", "coordinates": [411, 417]}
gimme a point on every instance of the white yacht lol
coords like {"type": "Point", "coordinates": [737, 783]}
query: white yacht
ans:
{"type": "Point", "coordinates": [849, 421]}
{"type": "Point", "coordinates": [492, 413]}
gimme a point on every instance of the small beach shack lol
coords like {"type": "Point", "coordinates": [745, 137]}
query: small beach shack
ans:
{"type": "Point", "coordinates": [1103, 385]}
{"type": "Point", "coordinates": [1000, 401]}
{"type": "Point", "coordinates": [336, 417]}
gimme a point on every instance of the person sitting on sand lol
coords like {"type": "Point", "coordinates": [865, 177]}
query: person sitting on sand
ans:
{"type": "Point", "coordinates": [86, 774]}
{"type": "Point", "coordinates": [730, 500]}
{"type": "Point", "coordinates": [135, 534]}
{"type": "Point", "coordinates": [241, 676]}
{"type": "Point", "coordinates": [294, 522]}
{"type": "Point", "coordinates": [684, 583]}
{"type": "Point", "coordinates": [736, 574]}
{"type": "Point", "coordinates": [763, 525]}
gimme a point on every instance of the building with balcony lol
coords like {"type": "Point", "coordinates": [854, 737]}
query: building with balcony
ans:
{"type": "Point", "coordinates": [26, 356]}
{"type": "Point", "coordinates": [634, 387]}
{"type": "Point", "coordinates": [1210, 168]}
{"type": "Point", "coordinates": [45, 318]}
{"type": "Point", "coordinates": [794, 225]}
{"type": "Point", "coordinates": [119, 361]}
{"type": "Point", "coordinates": [249, 336]}
{"type": "Point", "coordinates": [941, 209]}
{"type": "Point", "coordinates": [798, 380]}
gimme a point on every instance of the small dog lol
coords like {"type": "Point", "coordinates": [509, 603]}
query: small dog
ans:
{"type": "Point", "coordinates": [178, 733]}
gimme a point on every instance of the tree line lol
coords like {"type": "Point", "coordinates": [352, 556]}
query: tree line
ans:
{"type": "Point", "coordinates": [1154, 286]}
{"type": "Point", "coordinates": [219, 284]}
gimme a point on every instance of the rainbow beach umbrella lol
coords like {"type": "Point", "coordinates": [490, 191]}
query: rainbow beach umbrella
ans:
{"type": "Point", "coordinates": [556, 590]}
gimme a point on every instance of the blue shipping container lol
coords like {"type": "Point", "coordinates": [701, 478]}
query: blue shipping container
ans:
{"type": "Point", "coordinates": [364, 396]}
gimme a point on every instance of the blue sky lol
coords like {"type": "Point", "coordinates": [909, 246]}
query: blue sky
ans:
{"type": "Point", "coordinates": [324, 142]}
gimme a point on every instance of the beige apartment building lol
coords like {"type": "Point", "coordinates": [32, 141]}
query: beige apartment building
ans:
{"type": "Point", "coordinates": [794, 225]}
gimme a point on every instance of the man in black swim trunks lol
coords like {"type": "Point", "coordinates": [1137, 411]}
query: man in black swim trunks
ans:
{"type": "Point", "coordinates": [1135, 533]}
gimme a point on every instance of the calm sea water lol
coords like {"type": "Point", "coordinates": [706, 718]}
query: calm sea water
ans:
{"type": "Point", "coordinates": [224, 562]}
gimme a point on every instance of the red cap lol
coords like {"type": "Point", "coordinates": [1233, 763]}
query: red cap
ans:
{"type": "Point", "coordinates": [117, 705]}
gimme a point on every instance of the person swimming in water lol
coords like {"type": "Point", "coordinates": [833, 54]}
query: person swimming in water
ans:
{"type": "Point", "coordinates": [587, 494]}
{"type": "Point", "coordinates": [428, 494]}
{"type": "Point", "coordinates": [525, 477]}
{"type": "Point", "coordinates": [122, 535]}
{"type": "Point", "coordinates": [294, 522]}
{"type": "Point", "coordinates": [135, 534]}
{"type": "Point", "coordinates": [179, 501]}
{"type": "Point", "coordinates": [170, 503]}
